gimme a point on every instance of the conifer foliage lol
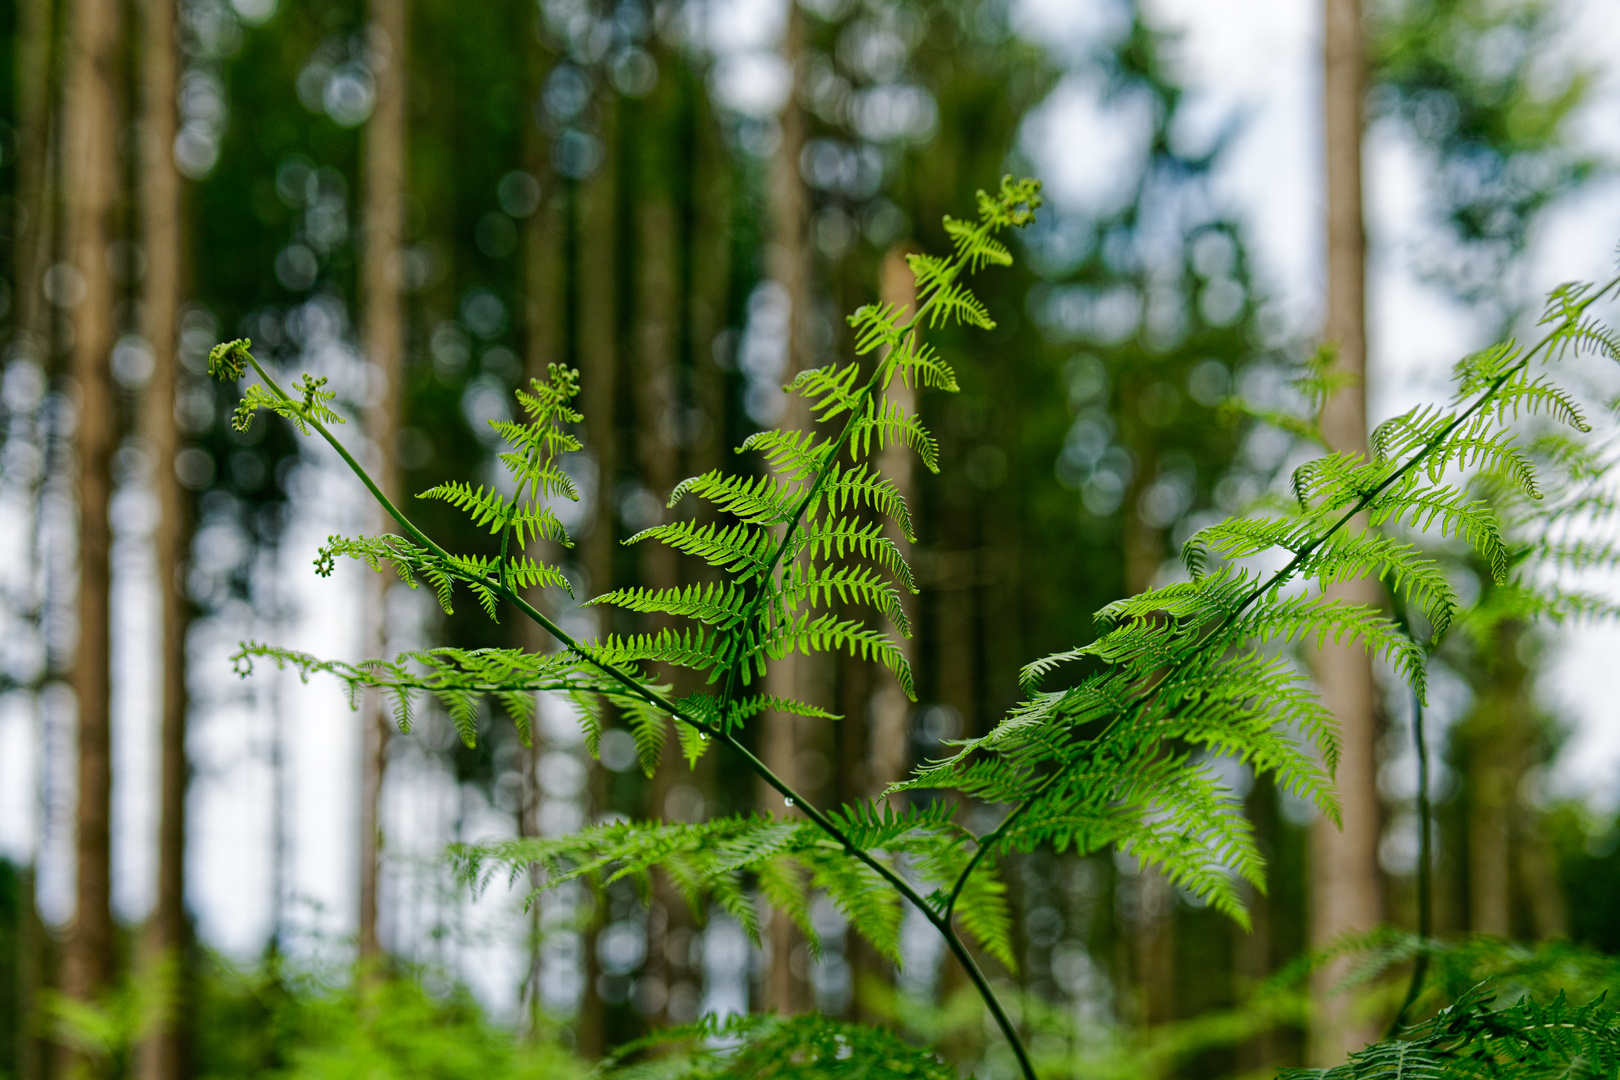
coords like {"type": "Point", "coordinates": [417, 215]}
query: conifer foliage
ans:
{"type": "Point", "coordinates": [1128, 753]}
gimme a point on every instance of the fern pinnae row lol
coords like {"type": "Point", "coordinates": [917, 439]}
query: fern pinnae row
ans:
{"type": "Point", "coordinates": [881, 328]}
{"type": "Point", "coordinates": [1507, 366]}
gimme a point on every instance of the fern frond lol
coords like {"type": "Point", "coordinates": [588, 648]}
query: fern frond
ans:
{"type": "Point", "coordinates": [1347, 555]}
{"type": "Point", "coordinates": [743, 550]}
{"type": "Point", "coordinates": [830, 390]}
{"type": "Point", "coordinates": [761, 500]}
{"type": "Point", "coordinates": [716, 859]}
{"type": "Point", "coordinates": [1456, 514]}
{"type": "Point", "coordinates": [792, 455]}
{"type": "Point", "coordinates": [1470, 1040]}
{"type": "Point", "coordinates": [717, 604]}
{"type": "Point", "coordinates": [841, 539]}
{"type": "Point", "coordinates": [944, 298]}
{"type": "Point", "coordinates": [889, 424]}
{"type": "Point", "coordinates": [809, 634]}
{"type": "Point", "coordinates": [974, 247]}
{"type": "Point", "coordinates": [920, 365]}
{"type": "Point", "coordinates": [409, 560]}
{"type": "Point", "coordinates": [808, 583]}
{"type": "Point", "coordinates": [860, 487]}
{"type": "Point", "coordinates": [1539, 395]}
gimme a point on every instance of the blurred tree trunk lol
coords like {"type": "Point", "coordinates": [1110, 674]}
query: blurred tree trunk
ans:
{"type": "Point", "coordinates": [1494, 764]}
{"type": "Point", "coordinates": [163, 1056]}
{"type": "Point", "coordinates": [91, 118]}
{"type": "Point", "coordinates": [36, 157]}
{"type": "Point", "coordinates": [888, 751]}
{"type": "Point", "coordinates": [1346, 889]}
{"type": "Point", "coordinates": [1152, 928]}
{"type": "Point", "coordinates": [591, 310]}
{"type": "Point", "coordinates": [786, 987]}
{"type": "Point", "coordinates": [36, 190]}
{"type": "Point", "coordinates": [542, 327]}
{"type": "Point", "coordinates": [1512, 887]}
{"type": "Point", "coordinates": [873, 736]}
{"type": "Point", "coordinates": [383, 324]}
{"type": "Point", "coordinates": [660, 463]}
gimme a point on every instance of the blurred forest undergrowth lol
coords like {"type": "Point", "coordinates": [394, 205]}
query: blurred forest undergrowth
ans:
{"type": "Point", "coordinates": [592, 185]}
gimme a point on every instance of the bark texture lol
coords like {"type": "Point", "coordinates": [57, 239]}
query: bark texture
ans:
{"type": "Point", "coordinates": [787, 989]}
{"type": "Point", "coordinates": [383, 323]}
{"type": "Point", "coordinates": [91, 109]}
{"type": "Point", "coordinates": [36, 159]}
{"type": "Point", "coordinates": [167, 935]}
{"type": "Point", "coordinates": [1346, 888]}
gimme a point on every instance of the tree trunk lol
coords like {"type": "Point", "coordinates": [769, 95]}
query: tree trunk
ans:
{"type": "Point", "coordinates": [542, 344]}
{"type": "Point", "coordinates": [1152, 927]}
{"type": "Point", "coordinates": [34, 161]}
{"type": "Point", "coordinates": [91, 118]}
{"type": "Point", "coordinates": [1346, 889]}
{"type": "Point", "coordinates": [875, 753]}
{"type": "Point", "coordinates": [36, 193]}
{"type": "Point", "coordinates": [591, 309]}
{"type": "Point", "coordinates": [385, 351]}
{"type": "Point", "coordinates": [888, 751]}
{"type": "Point", "coordinates": [786, 988]}
{"type": "Point", "coordinates": [163, 1056]}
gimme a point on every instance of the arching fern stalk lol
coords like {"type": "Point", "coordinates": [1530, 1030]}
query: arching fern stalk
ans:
{"type": "Point", "coordinates": [1180, 675]}
{"type": "Point", "coordinates": [1191, 671]}
{"type": "Point", "coordinates": [805, 532]}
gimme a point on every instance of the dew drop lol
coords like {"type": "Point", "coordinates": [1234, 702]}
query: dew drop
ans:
{"type": "Point", "coordinates": [788, 801]}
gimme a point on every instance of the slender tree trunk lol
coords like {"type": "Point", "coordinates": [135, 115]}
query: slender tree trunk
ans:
{"type": "Point", "coordinates": [1494, 765]}
{"type": "Point", "coordinates": [34, 159]}
{"type": "Point", "coordinates": [1346, 888]}
{"type": "Point", "coordinates": [91, 110]}
{"type": "Point", "coordinates": [385, 350]}
{"type": "Point", "coordinates": [163, 1056]}
{"type": "Point", "coordinates": [888, 750]}
{"type": "Point", "coordinates": [590, 313]}
{"type": "Point", "coordinates": [542, 326]}
{"type": "Point", "coordinates": [786, 989]}
{"type": "Point", "coordinates": [875, 753]}
{"type": "Point", "coordinates": [36, 149]}
{"type": "Point", "coordinates": [1153, 925]}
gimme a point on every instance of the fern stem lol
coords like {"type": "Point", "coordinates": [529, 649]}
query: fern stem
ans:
{"type": "Point", "coordinates": [1282, 576]}
{"type": "Point", "coordinates": [1420, 968]}
{"type": "Point", "coordinates": [635, 688]}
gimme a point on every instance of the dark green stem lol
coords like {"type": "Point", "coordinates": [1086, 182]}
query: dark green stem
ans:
{"type": "Point", "coordinates": [1420, 969]}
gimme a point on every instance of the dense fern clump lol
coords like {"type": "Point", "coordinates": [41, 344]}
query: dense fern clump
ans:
{"type": "Point", "coordinates": [1469, 1040]}
{"type": "Point", "coordinates": [1126, 755]}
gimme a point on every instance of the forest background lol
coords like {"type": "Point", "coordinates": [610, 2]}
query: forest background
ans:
{"type": "Point", "coordinates": [429, 202]}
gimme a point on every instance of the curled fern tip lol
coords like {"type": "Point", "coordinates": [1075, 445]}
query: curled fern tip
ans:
{"type": "Point", "coordinates": [229, 359]}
